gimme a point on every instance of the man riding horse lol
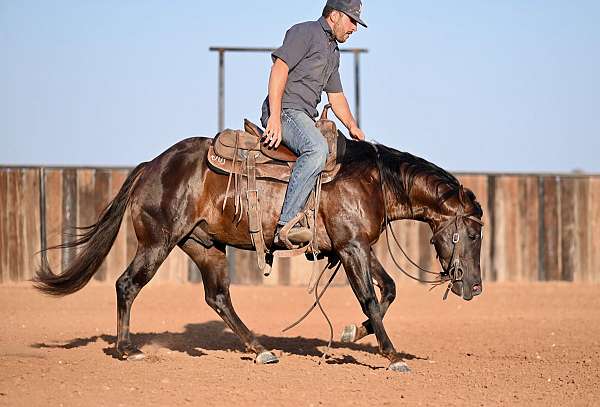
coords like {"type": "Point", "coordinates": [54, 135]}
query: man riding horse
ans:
{"type": "Point", "coordinates": [303, 67]}
{"type": "Point", "coordinates": [179, 199]}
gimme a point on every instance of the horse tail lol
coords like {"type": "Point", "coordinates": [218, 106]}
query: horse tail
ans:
{"type": "Point", "coordinates": [96, 241]}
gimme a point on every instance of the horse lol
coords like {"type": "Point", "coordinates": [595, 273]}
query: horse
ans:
{"type": "Point", "coordinates": [177, 200]}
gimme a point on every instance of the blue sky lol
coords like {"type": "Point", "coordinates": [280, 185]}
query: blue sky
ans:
{"type": "Point", "coordinates": [486, 85]}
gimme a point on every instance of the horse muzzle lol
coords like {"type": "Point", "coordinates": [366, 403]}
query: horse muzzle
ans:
{"type": "Point", "coordinates": [467, 291]}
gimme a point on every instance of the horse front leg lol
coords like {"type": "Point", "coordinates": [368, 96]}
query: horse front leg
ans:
{"type": "Point", "coordinates": [387, 289]}
{"type": "Point", "coordinates": [356, 258]}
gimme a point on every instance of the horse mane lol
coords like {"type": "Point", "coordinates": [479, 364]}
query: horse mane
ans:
{"type": "Point", "coordinates": [400, 170]}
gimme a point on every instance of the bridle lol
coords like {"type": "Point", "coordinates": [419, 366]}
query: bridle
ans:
{"type": "Point", "coordinates": [453, 273]}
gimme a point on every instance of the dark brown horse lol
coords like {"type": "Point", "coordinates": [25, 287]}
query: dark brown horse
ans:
{"type": "Point", "coordinates": [176, 199]}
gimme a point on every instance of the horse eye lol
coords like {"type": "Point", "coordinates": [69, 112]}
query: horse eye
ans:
{"type": "Point", "coordinates": [473, 237]}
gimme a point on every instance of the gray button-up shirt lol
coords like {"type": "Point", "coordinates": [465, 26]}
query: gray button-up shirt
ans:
{"type": "Point", "coordinates": [312, 55]}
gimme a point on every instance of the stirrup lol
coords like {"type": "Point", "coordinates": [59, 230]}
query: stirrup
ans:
{"type": "Point", "coordinates": [293, 236]}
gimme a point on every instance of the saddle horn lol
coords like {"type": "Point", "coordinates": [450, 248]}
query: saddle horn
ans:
{"type": "Point", "coordinates": [324, 112]}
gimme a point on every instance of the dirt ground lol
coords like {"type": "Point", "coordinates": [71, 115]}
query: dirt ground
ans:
{"type": "Point", "coordinates": [534, 344]}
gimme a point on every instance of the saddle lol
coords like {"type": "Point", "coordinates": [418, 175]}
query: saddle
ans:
{"type": "Point", "coordinates": [231, 149]}
{"type": "Point", "coordinates": [242, 154]}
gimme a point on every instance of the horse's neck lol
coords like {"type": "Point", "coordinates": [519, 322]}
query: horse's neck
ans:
{"type": "Point", "coordinates": [421, 207]}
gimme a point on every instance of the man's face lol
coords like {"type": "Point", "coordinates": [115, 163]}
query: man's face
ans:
{"type": "Point", "coordinates": [343, 26]}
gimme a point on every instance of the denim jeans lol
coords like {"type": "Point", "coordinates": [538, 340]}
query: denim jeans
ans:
{"type": "Point", "coordinates": [299, 134]}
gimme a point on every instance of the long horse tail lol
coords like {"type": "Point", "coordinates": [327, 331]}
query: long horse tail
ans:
{"type": "Point", "coordinates": [96, 241]}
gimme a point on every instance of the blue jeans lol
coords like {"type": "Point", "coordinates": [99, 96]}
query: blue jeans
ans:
{"type": "Point", "coordinates": [299, 134]}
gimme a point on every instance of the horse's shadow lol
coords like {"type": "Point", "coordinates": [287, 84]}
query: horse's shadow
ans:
{"type": "Point", "coordinates": [214, 335]}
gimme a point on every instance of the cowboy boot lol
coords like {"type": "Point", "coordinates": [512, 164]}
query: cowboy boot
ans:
{"type": "Point", "coordinates": [299, 235]}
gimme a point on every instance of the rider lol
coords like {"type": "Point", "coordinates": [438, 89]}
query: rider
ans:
{"type": "Point", "coordinates": [305, 65]}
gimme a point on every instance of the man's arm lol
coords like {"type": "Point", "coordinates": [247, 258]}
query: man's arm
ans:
{"type": "Point", "coordinates": [277, 81]}
{"type": "Point", "coordinates": [339, 105]}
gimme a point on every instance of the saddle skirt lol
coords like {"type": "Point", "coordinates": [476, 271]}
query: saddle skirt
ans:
{"type": "Point", "coordinates": [230, 150]}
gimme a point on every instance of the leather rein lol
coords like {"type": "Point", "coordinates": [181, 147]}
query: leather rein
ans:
{"type": "Point", "coordinates": [453, 272]}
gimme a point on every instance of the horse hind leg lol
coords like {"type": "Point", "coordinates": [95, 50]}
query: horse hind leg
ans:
{"type": "Point", "coordinates": [140, 271]}
{"type": "Point", "coordinates": [387, 288]}
{"type": "Point", "coordinates": [212, 263]}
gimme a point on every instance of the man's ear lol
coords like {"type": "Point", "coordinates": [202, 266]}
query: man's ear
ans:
{"type": "Point", "coordinates": [335, 16]}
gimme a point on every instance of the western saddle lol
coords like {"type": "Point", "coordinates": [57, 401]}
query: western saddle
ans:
{"type": "Point", "coordinates": [242, 154]}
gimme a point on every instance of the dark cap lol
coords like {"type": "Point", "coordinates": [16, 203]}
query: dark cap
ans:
{"type": "Point", "coordinates": [351, 8]}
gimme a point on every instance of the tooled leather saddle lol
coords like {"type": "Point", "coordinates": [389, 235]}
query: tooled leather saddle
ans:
{"type": "Point", "coordinates": [242, 154]}
{"type": "Point", "coordinates": [231, 149]}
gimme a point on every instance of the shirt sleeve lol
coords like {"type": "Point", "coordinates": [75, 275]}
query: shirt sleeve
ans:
{"type": "Point", "coordinates": [334, 84]}
{"type": "Point", "coordinates": [294, 48]}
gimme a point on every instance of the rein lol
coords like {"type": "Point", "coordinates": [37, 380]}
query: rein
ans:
{"type": "Point", "coordinates": [454, 272]}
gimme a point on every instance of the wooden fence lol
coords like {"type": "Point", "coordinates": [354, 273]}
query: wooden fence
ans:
{"type": "Point", "coordinates": [537, 228]}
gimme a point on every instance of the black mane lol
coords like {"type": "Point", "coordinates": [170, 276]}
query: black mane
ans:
{"type": "Point", "coordinates": [399, 170]}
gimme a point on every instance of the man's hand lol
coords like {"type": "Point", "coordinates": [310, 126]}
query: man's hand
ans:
{"type": "Point", "coordinates": [356, 133]}
{"type": "Point", "coordinates": [273, 132]}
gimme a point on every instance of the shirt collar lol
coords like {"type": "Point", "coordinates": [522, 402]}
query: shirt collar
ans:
{"type": "Point", "coordinates": [326, 28]}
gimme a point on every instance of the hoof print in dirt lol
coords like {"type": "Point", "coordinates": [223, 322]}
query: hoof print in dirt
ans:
{"type": "Point", "coordinates": [348, 334]}
{"type": "Point", "coordinates": [266, 358]}
{"type": "Point", "coordinates": [399, 367]}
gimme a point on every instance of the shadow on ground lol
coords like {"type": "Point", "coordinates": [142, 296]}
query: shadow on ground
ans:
{"type": "Point", "coordinates": [214, 335]}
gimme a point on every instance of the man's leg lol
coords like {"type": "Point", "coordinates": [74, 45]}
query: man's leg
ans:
{"type": "Point", "coordinates": [301, 136]}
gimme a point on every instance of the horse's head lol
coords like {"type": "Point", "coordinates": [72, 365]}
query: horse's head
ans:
{"type": "Point", "coordinates": [457, 240]}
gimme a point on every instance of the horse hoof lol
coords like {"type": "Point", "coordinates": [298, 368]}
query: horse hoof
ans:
{"type": "Point", "coordinates": [133, 356]}
{"type": "Point", "coordinates": [349, 333]}
{"type": "Point", "coordinates": [399, 367]}
{"type": "Point", "coordinates": [266, 358]}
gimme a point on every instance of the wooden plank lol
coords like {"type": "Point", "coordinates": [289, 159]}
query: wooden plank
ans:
{"type": "Point", "coordinates": [102, 196]}
{"type": "Point", "coordinates": [491, 273]}
{"type": "Point", "coordinates": [246, 269]}
{"type": "Point", "coordinates": [194, 274]}
{"type": "Point", "coordinates": [240, 265]}
{"type": "Point", "coordinates": [594, 225]}
{"type": "Point", "coordinates": [513, 236]}
{"type": "Point", "coordinates": [117, 261]}
{"type": "Point", "coordinates": [301, 269]}
{"type": "Point", "coordinates": [284, 265]}
{"type": "Point", "coordinates": [29, 212]}
{"type": "Point", "coordinates": [584, 235]}
{"type": "Point", "coordinates": [551, 265]}
{"type": "Point", "coordinates": [505, 246]}
{"type": "Point", "coordinates": [86, 205]}
{"type": "Point", "coordinates": [14, 225]}
{"type": "Point", "coordinates": [529, 227]}
{"type": "Point", "coordinates": [69, 214]}
{"type": "Point", "coordinates": [54, 216]}
{"type": "Point", "coordinates": [174, 269]}
{"type": "Point", "coordinates": [4, 271]}
{"type": "Point", "coordinates": [569, 235]}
